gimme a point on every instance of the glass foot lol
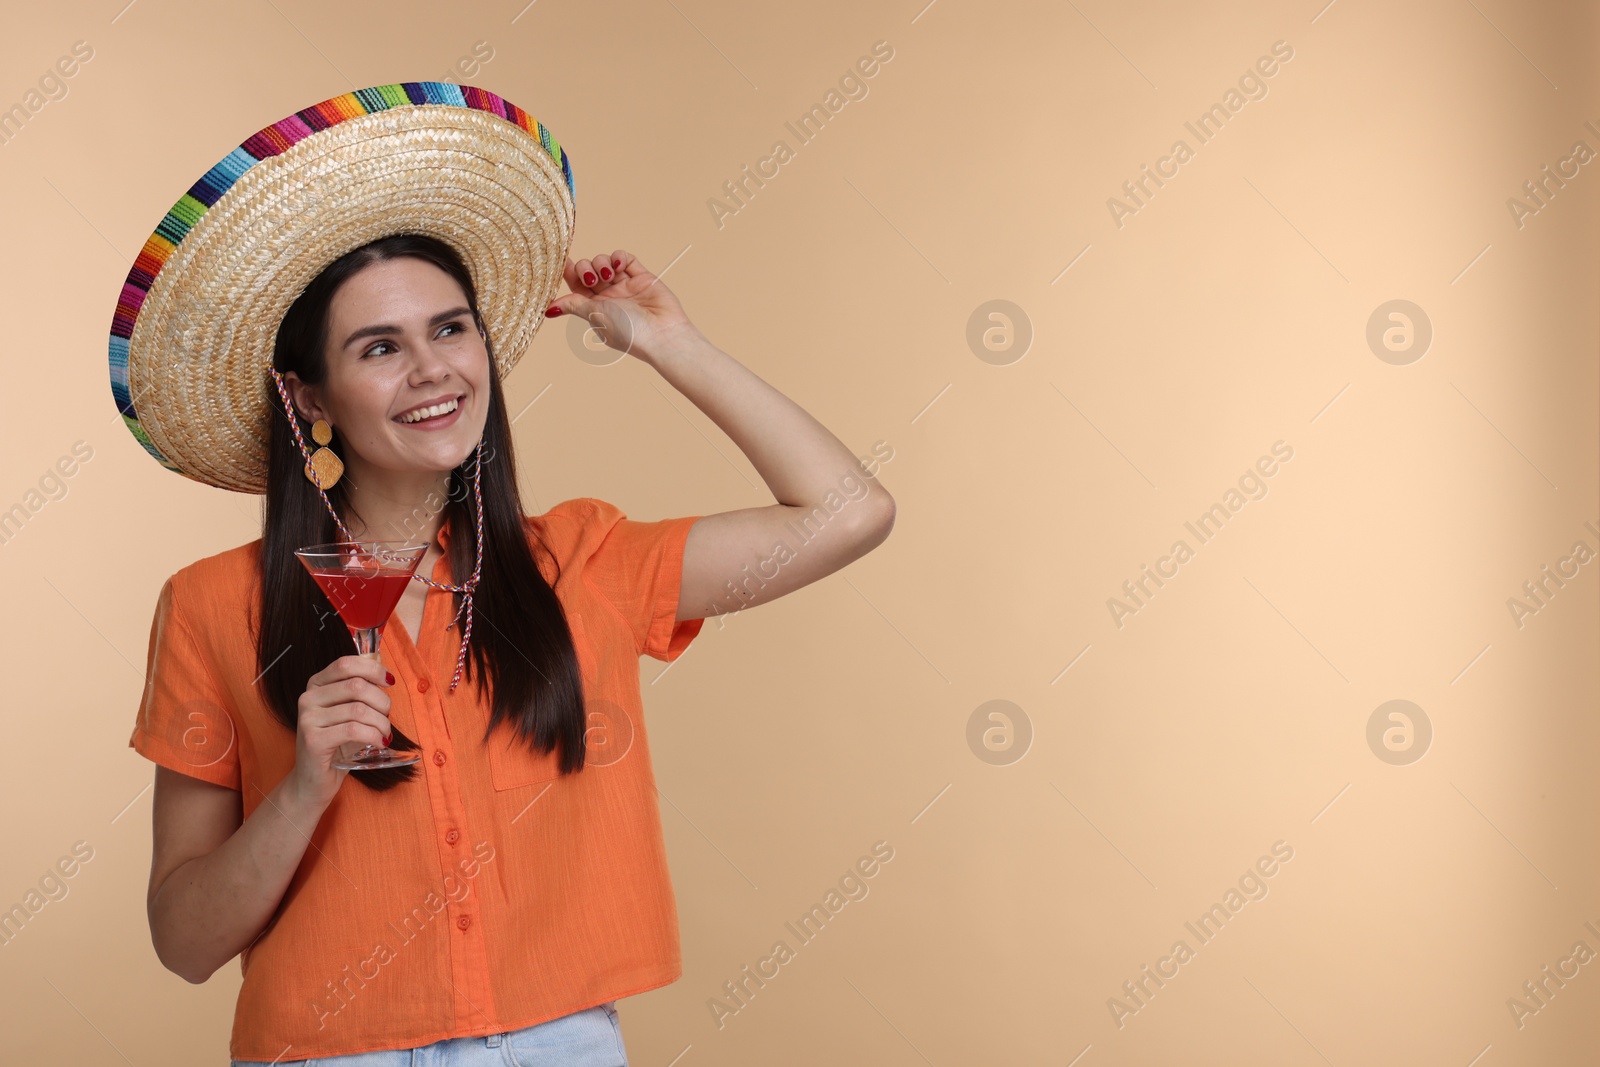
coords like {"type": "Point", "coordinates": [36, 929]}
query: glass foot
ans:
{"type": "Point", "coordinates": [376, 757]}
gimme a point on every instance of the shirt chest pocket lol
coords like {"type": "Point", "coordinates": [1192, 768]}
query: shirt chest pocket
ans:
{"type": "Point", "coordinates": [513, 762]}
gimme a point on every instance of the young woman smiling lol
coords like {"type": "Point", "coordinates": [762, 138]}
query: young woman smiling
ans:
{"type": "Point", "coordinates": [491, 901]}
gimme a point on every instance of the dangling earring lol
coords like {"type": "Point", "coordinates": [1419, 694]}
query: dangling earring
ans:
{"type": "Point", "coordinates": [328, 467]}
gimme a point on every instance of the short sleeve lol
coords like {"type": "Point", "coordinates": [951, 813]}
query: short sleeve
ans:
{"type": "Point", "coordinates": [183, 721]}
{"type": "Point", "coordinates": [638, 568]}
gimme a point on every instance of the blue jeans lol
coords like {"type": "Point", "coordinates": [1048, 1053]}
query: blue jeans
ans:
{"type": "Point", "coordinates": [588, 1038]}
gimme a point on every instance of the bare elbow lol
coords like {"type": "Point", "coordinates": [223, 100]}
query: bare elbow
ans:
{"type": "Point", "coordinates": [183, 969]}
{"type": "Point", "coordinates": [191, 974]}
{"type": "Point", "coordinates": [194, 975]}
{"type": "Point", "coordinates": [194, 979]}
{"type": "Point", "coordinates": [877, 531]}
{"type": "Point", "coordinates": [171, 957]}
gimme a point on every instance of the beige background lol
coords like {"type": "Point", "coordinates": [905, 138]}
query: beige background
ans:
{"type": "Point", "coordinates": [1229, 313]}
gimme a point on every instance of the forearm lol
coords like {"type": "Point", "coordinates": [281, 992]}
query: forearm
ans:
{"type": "Point", "coordinates": [798, 458]}
{"type": "Point", "coordinates": [212, 907]}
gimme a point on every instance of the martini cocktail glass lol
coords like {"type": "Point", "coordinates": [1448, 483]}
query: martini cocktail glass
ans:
{"type": "Point", "coordinates": [364, 580]}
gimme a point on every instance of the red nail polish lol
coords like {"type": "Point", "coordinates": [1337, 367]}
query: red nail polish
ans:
{"type": "Point", "coordinates": [388, 677]}
{"type": "Point", "coordinates": [386, 739]}
{"type": "Point", "coordinates": [551, 312]}
{"type": "Point", "coordinates": [588, 277]}
{"type": "Point", "coordinates": [617, 263]}
{"type": "Point", "coordinates": [605, 272]}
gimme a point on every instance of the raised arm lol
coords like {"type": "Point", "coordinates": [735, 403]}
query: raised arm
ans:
{"type": "Point", "coordinates": [829, 510]}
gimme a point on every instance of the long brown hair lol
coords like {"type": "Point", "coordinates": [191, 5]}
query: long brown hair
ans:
{"type": "Point", "coordinates": [521, 645]}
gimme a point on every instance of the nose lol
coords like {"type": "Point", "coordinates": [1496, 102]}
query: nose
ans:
{"type": "Point", "coordinates": [428, 365]}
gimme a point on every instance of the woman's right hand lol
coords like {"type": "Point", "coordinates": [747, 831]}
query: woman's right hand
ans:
{"type": "Point", "coordinates": [343, 709]}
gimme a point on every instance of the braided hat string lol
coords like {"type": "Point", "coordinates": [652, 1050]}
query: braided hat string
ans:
{"type": "Point", "coordinates": [465, 588]}
{"type": "Point", "coordinates": [294, 425]}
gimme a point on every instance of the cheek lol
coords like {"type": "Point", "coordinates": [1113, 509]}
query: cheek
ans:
{"type": "Point", "coordinates": [476, 375]}
{"type": "Point", "coordinates": [362, 408]}
{"type": "Point", "coordinates": [475, 369]}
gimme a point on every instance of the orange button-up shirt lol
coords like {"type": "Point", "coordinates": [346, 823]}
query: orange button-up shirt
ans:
{"type": "Point", "coordinates": [488, 894]}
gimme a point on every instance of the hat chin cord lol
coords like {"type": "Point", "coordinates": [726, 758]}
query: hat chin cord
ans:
{"type": "Point", "coordinates": [465, 588]}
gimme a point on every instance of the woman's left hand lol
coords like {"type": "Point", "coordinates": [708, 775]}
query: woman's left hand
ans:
{"type": "Point", "coordinates": [630, 309]}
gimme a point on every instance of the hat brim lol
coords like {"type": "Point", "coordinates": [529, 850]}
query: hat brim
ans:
{"type": "Point", "coordinates": [192, 339]}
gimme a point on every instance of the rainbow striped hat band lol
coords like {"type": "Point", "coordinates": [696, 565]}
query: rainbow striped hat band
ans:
{"type": "Point", "coordinates": [193, 333]}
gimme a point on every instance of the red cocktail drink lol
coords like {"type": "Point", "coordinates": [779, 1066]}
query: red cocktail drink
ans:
{"type": "Point", "coordinates": [364, 580]}
{"type": "Point", "coordinates": [363, 599]}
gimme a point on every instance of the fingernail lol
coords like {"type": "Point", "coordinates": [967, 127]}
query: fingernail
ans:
{"type": "Point", "coordinates": [605, 272]}
{"type": "Point", "coordinates": [617, 263]}
{"type": "Point", "coordinates": [387, 738]}
{"type": "Point", "coordinates": [389, 677]}
{"type": "Point", "coordinates": [588, 277]}
{"type": "Point", "coordinates": [551, 312]}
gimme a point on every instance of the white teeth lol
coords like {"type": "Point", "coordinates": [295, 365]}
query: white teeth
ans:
{"type": "Point", "coordinates": [427, 413]}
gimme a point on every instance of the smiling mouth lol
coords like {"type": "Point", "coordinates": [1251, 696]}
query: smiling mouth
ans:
{"type": "Point", "coordinates": [432, 411]}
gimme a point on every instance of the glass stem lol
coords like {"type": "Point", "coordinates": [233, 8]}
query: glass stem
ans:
{"type": "Point", "coordinates": [366, 639]}
{"type": "Point", "coordinates": [366, 642]}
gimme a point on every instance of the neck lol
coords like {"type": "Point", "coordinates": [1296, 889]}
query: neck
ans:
{"type": "Point", "coordinates": [396, 506]}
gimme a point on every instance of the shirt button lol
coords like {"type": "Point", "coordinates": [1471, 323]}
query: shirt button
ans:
{"type": "Point", "coordinates": [452, 837]}
{"type": "Point", "coordinates": [464, 922]}
{"type": "Point", "coordinates": [438, 758]}
{"type": "Point", "coordinates": [423, 685]}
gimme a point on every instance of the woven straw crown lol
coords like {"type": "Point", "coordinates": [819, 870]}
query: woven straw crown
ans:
{"type": "Point", "coordinates": [193, 333]}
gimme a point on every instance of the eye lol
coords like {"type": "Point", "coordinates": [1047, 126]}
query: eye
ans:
{"type": "Point", "coordinates": [374, 348]}
{"type": "Point", "coordinates": [456, 326]}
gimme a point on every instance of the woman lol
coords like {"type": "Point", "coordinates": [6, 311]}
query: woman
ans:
{"type": "Point", "coordinates": [491, 902]}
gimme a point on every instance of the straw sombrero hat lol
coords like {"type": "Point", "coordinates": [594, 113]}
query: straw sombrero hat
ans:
{"type": "Point", "coordinates": [193, 333]}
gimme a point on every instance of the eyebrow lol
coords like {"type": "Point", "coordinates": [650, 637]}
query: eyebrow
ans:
{"type": "Point", "coordinates": [383, 328]}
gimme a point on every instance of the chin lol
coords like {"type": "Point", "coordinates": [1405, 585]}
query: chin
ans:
{"type": "Point", "coordinates": [444, 459]}
{"type": "Point", "coordinates": [465, 449]}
